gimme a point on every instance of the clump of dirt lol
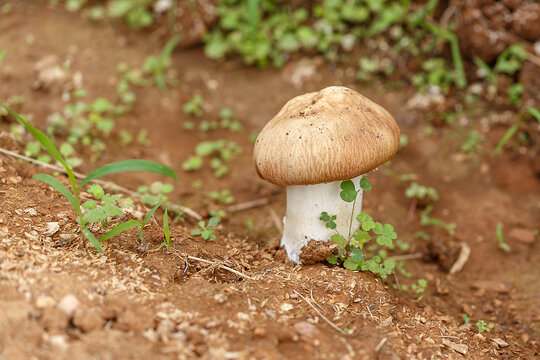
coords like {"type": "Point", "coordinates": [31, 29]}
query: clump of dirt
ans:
{"type": "Point", "coordinates": [317, 251]}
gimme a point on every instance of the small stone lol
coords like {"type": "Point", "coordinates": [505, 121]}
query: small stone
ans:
{"type": "Point", "coordinates": [88, 319]}
{"type": "Point", "coordinates": [220, 298]}
{"type": "Point", "coordinates": [500, 342]}
{"type": "Point", "coordinates": [51, 228]}
{"type": "Point", "coordinates": [286, 307]}
{"type": "Point", "coordinates": [69, 304]}
{"type": "Point", "coordinates": [259, 331]}
{"type": "Point", "coordinates": [44, 301]}
{"type": "Point", "coordinates": [488, 285]}
{"type": "Point", "coordinates": [523, 235]}
{"type": "Point", "coordinates": [59, 341]}
{"type": "Point", "coordinates": [305, 329]}
{"type": "Point", "coordinates": [31, 211]}
{"type": "Point", "coordinates": [165, 328]}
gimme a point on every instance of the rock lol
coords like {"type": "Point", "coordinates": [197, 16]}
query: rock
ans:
{"type": "Point", "coordinates": [317, 251]}
{"type": "Point", "coordinates": [137, 319]}
{"type": "Point", "coordinates": [529, 78]}
{"type": "Point", "coordinates": [259, 331]}
{"type": "Point", "coordinates": [165, 328]}
{"type": "Point", "coordinates": [523, 235]}
{"type": "Point", "coordinates": [44, 301]}
{"type": "Point", "coordinates": [500, 342]}
{"type": "Point", "coordinates": [68, 304]}
{"type": "Point", "coordinates": [460, 348]}
{"type": "Point", "coordinates": [526, 21]}
{"type": "Point", "coordinates": [305, 330]}
{"type": "Point", "coordinates": [286, 307]}
{"type": "Point", "coordinates": [489, 285]}
{"type": "Point", "coordinates": [287, 334]}
{"type": "Point", "coordinates": [88, 319]}
{"type": "Point", "coordinates": [51, 228]}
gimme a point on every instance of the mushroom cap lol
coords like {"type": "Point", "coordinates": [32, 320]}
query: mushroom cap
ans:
{"type": "Point", "coordinates": [324, 136]}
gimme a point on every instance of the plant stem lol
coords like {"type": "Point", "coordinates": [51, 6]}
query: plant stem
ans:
{"type": "Point", "coordinates": [352, 215]}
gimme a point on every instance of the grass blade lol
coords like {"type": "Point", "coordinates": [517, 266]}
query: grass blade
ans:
{"type": "Point", "coordinates": [2, 54]}
{"type": "Point", "coordinates": [58, 186]}
{"type": "Point", "coordinates": [129, 165]}
{"type": "Point", "coordinates": [119, 229]}
{"type": "Point", "coordinates": [534, 112]}
{"type": "Point", "coordinates": [41, 137]}
{"type": "Point", "coordinates": [507, 136]}
{"type": "Point", "coordinates": [149, 215]}
{"type": "Point", "coordinates": [166, 228]}
{"type": "Point", "coordinates": [92, 239]}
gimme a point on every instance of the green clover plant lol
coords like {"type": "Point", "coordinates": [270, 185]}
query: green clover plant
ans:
{"type": "Point", "coordinates": [352, 249]}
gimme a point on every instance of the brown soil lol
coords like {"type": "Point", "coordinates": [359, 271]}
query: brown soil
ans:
{"type": "Point", "coordinates": [238, 297]}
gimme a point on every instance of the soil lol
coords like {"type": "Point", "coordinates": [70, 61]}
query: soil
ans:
{"type": "Point", "coordinates": [238, 297]}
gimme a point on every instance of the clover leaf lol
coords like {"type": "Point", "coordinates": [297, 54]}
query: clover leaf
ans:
{"type": "Point", "coordinates": [348, 193]}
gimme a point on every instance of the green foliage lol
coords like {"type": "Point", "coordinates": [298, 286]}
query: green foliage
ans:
{"type": "Point", "coordinates": [511, 60]}
{"type": "Point", "coordinates": [421, 192]}
{"type": "Point", "coordinates": [352, 253]}
{"type": "Point", "coordinates": [420, 288]}
{"type": "Point", "coordinates": [136, 13]}
{"type": "Point", "coordinates": [194, 106]}
{"type": "Point", "coordinates": [483, 327]}
{"type": "Point", "coordinates": [500, 238]}
{"type": "Point", "coordinates": [166, 230]}
{"type": "Point", "coordinates": [223, 196]}
{"type": "Point", "coordinates": [157, 66]}
{"type": "Point", "coordinates": [157, 191]}
{"type": "Point", "coordinates": [94, 212]}
{"type": "Point", "coordinates": [221, 152]}
{"type": "Point", "coordinates": [426, 220]}
{"type": "Point", "coordinates": [206, 231]}
{"type": "Point", "coordinates": [473, 142]}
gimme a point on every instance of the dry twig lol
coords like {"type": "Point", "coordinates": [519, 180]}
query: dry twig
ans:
{"type": "Point", "coordinates": [462, 258]}
{"type": "Point", "coordinates": [320, 314]}
{"type": "Point", "coordinates": [247, 205]}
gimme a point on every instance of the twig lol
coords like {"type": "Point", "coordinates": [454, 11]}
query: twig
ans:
{"type": "Point", "coordinates": [380, 345]}
{"type": "Point", "coordinates": [397, 281]}
{"type": "Point", "coordinates": [275, 219]}
{"type": "Point", "coordinates": [406, 257]}
{"type": "Point", "coordinates": [216, 263]}
{"type": "Point", "coordinates": [320, 314]}
{"type": "Point", "coordinates": [319, 306]}
{"type": "Point", "coordinates": [462, 258]}
{"type": "Point", "coordinates": [370, 314]}
{"type": "Point", "coordinates": [109, 184]}
{"type": "Point", "coordinates": [247, 205]}
{"type": "Point", "coordinates": [410, 213]}
{"type": "Point", "coordinates": [186, 266]}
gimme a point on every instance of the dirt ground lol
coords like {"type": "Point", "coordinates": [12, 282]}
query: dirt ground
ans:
{"type": "Point", "coordinates": [238, 297]}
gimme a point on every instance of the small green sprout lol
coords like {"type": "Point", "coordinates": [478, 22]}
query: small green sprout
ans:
{"type": "Point", "coordinates": [466, 319]}
{"type": "Point", "coordinates": [194, 106]}
{"type": "Point", "coordinates": [420, 288]}
{"type": "Point", "coordinates": [206, 231]}
{"type": "Point", "coordinates": [426, 220]}
{"type": "Point", "coordinates": [166, 230]}
{"type": "Point", "coordinates": [421, 192]}
{"type": "Point", "coordinates": [223, 196]}
{"type": "Point", "coordinates": [73, 195]}
{"type": "Point", "coordinates": [500, 238]}
{"type": "Point", "coordinates": [483, 327]}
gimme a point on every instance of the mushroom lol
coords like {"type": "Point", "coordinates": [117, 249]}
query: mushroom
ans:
{"type": "Point", "coordinates": [315, 142]}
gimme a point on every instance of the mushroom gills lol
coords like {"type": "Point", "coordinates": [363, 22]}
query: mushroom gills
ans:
{"type": "Point", "coordinates": [305, 203]}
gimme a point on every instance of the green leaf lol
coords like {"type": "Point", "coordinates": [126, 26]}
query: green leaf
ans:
{"type": "Point", "coordinates": [119, 229]}
{"type": "Point", "coordinates": [92, 239]}
{"type": "Point", "coordinates": [2, 54]}
{"type": "Point", "coordinates": [348, 192]}
{"type": "Point", "coordinates": [384, 240]}
{"type": "Point", "coordinates": [42, 138]}
{"type": "Point", "coordinates": [196, 232]}
{"type": "Point", "coordinates": [365, 184]}
{"type": "Point", "coordinates": [61, 188]}
{"type": "Point", "coordinates": [166, 231]}
{"type": "Point", "coordinates": [534, 112]}
{"type": "Point", "coordinates": [332, 259]}
{"type": "Point", "coordinates": [350, 264]}
{"type": "Point", "coordinates": [339, 240]}
{"type": "Point", "coordinates": [130, 165]}
{"type": "Point", "coordinates": [96, 190]}
{"type": "Point", "coordinates": [325, 216]}
{"type": "Point", "coordinates": [149, 215]}
{"type": "Point", "coordinates": [214, 221]}
{"type": "Point", "coordinates": [357, 255]}
{"type": "Point", "coordinates": [90, 205]}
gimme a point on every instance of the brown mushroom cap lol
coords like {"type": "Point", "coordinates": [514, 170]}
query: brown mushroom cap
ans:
{"type": "Point", "coordinates": [330, 135]}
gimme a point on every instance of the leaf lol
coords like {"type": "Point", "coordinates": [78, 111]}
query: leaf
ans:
{"type": "Point", "coordinates": [339, 240]}
{"type": "Point", "coordinates": [325, 216]}
{"type": "Point", "coordinates": [196, 232]}
{"type": "Point", "coordinates": [384, 240]}
{"type": "Point", "coordinates": [331, 225]}
{"type": "Point", "coordinates": [357, 255]}
{"type": "Point", "coordinates": [534, 112]}
{"type": "Point", "coordinates": [166, 231]}
{"type": "Point", "coordinates": [92, 239]}
{"type": "Point", "coordinates": [90, 205]}
{"type": "Point", "coordinates": [129, 165]}
{"type": "Point", "coordinates": [149, 215]}
{"type": "Point", "coordinates": [332, 259]}
{"type": "Point", "coordinates": [350, 264]}
{"type": "Point", "coordinates": [119, 229]}
{"type": "Point", "coordinates": [349, 192]}
{"type": "Point", "coordinates": [61, 188]}
{"type": "Point", "coordinates": [96, 190]}
{"type": "Point", "coordinates": [365, 184]}
{"type": "Point", "coordinates": [42, 138]}
{"type": "Point", "coordinates": [214, 221]}
{"type": "Point", "coordinates": [2, 54]}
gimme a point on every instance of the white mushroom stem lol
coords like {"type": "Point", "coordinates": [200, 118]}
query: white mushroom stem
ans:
{"type": "Point", "coordinates": [305, 203]}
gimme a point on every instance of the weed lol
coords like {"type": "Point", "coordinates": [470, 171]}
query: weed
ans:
{"type": "Point", "coordinates": [223, 196]}
{"type": "Point", "coordinates": [108, 205]}
{"type": "Point", "coordinates": [156, 66]}
{"type": "Point", "coordinates": [421, 192]}
{"type": "Point", "coordinates": [426, 220]}
{"type": "Point", "coordinates": [157, 191]}
{"type": "Point", "coordinates": [206, 231]}
{"type": "Point", "coordinates": [466, 319]}
{"type": "Point", "coordinates": [420, 288]}
{"type": "Point", "coordinates": [350, 247]}
{"type": "Point", "coordinates": [473, 142]}
{"type": "Point", "coordinates": [166, 231]}
{"type": "Point", "coordinates": [500, 238]}
{"type": "Point", "coordinates": [194, 106]}
{"type": "Point", "coordinates": [483, 327]}
{"type": "Point", "coordinates": [514, 128]}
